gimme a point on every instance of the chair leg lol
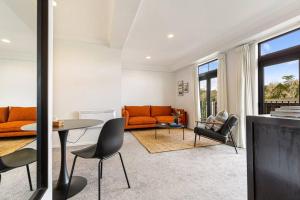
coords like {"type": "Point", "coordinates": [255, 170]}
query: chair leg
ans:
{"type": "Point", "coordinates": [71, 175]}
{"type": "Point", "coordinates": [100, 163]}
{"type": "Point", "coordinates": [195, 140]}
{"type": "Point", "coordinates": [233, 144]}
{"type": "Point", "coordinates": [124, 170]}
{"type": "Point", "coordinates": [29, 177]}
{"type": "Point", "coordinates": [101, 170]}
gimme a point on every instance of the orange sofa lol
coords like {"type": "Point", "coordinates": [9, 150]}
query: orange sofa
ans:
{"type": "Point", "coordinates": [148, 116]}
{"type": "Point", "coordinates": [13, 118]}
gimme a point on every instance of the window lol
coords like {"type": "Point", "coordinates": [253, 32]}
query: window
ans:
{"type": "Point", "coordinates": [279, 68]}
{"type": "Point", "coordinates": [285, 41]}
{"type": "Point", "coordinates": [208, 88]}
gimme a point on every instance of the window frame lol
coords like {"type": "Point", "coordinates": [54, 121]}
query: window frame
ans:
{"type": "Point", "coordinates": [278, 57]}
{"type": "Point", "coordinates": [207, 76]}
{"type": "Point", "coordinates": [42, 99]}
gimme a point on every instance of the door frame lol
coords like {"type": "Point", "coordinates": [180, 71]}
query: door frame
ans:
{"type": "Point", "coordinates": [207, 76]}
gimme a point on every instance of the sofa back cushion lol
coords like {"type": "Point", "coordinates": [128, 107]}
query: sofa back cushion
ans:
{"type": "Point", "coordinates": [3, 114]}
{"type": "Point", "coordinates": [22, 114]}
{"type": "Point", "coordinates": [161, 111]}
{"type": "Point", "coordinates": [137, 111]}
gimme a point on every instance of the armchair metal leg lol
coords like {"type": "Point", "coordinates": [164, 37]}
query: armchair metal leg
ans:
{"type": "Point", "coordinates": [100, 164]}
{"type": "Point", "coordinates": [195, 140]}
{"type": "Point", "coordinates": [233, 143]}
{"type": "Point", "coordinates": [29, 177]}
{"type": "Point", "coordinates": [124, 170]}
{"type": "Point", "coordinates": [71, 175]}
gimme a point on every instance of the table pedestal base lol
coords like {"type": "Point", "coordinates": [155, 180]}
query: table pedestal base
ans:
{"type": "Point", "coordinates": [77, 185]}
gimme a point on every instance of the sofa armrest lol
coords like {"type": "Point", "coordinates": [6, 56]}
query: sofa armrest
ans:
{"type": "Point", "coordinates": [125, 114]}
{"type": "Point", "coordinates": [182, 116]}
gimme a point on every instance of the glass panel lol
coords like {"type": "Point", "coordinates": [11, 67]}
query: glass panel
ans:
{"type": "Point", "coordinates": [281, 85]}
{"type": "Point", "coordinates": [203, 100]}
{"type": "Point", "coordinates": [286, 41]}
{"type": "Point", "coordinates": [18, 86]}
{"type": "Point", "coordinates": [203, 69]}
{"type": "Point", "coordinates": [213, 95]}
{"type": "Point", "coordinates": [213, 65]}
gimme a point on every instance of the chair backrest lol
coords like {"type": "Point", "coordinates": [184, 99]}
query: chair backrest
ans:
{"type": "Point", "coordinates": [230, 123]}
{"type": "Point", "coordinates": [111, 137]}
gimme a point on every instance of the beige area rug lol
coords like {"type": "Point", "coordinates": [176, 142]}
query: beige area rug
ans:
{"type": "Point", "coordinates": [169, 142]}
{"type": "Point", "coordinates": [10, 145]}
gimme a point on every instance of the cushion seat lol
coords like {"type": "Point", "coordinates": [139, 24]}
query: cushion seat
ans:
{"type": "Point", "coordinates": [164, 119]}
{"type": "Point", "coordinates": [141, 120]}
{"type": "Point", "coordinates": [14, 126]}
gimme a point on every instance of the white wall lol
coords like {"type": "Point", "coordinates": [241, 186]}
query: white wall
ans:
{"type": "Point", "coordinates": [86, 77]}
{"type": "Point", "coordinates": [18, 82]}
{"type": "Point", "coordinates": [140, 87]}
{"type": "Point", "coordinates": [186, 102]}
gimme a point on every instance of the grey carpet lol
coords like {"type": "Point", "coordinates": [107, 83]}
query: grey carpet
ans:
{"type": "Point", "coordinates": [208, 173]}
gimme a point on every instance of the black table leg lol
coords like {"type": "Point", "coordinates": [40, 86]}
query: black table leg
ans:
{"type": "Point", "coordinates": [77, 184]}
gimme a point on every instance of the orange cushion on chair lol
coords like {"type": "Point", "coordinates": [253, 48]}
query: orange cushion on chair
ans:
{"type": "Point", "coordinates": [22, 114]}
{"type": "Point", "coordinates": [165, 119]}
{"type": "Point", "coordinates": [13, 126]}
{"type": "Point", "coordinates": [141, 120]}
{"type": "Point", "coordinates": [3, 114]}
{"type": "Point", "coordinates": [135, 111]}
{"type": "Point", "coordinates": [161, 110]}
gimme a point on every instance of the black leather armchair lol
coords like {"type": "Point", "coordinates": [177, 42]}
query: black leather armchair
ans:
{"type": "Point", "coordinates": [221, 135]}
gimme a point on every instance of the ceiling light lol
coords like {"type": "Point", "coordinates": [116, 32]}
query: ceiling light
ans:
{"type": "Point", "coordinates": [54, 3]}
{"type": "Point", "coordinates": [170, 36]}
{"type": "Point", "coordinates": [5, 41]}
{"type": "Point", "coordinates": [148, 57]}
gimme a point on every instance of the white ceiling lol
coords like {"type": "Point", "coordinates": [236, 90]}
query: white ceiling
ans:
{"type": "Point", "coordinates": [201, 27]}
{"type": "Point", "coordinates": [18, 24]}
{"type": "Point", "coordinates": [97, 21]}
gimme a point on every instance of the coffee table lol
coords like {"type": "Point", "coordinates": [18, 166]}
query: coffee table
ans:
{"type": "Point", "coordinates": [167, 126]}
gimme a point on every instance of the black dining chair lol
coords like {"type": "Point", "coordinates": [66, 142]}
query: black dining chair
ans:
{"type": "Point", "coordinates": [109, 143]}
{"type": "Point", "coordinates": [19, 158]}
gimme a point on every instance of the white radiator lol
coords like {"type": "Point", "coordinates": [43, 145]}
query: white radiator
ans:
{"type": "Point", "coordinates": [103, 115]}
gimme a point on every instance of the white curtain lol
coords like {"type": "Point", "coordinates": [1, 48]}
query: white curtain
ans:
{"type": "Point", "coordinates": [244, 93]}
{"type": "Point", "coordinates": [222, 84]}
{"type": "Point", "coordinates": [197, 93]}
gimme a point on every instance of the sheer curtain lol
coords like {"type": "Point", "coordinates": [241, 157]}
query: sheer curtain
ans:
{"type": "Point", "coordinates": [245, 93]}
{"type": "Point", "coordinates": [222, 84]}
{"type": "Point", "coordinates": [197, 93]}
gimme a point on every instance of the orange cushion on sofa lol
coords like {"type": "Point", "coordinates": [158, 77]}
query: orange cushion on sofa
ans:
{"type": "Point", "coordinates": [161, 110]}
{"type": "Point", "coordinates": [165, 119]}
{"type": "Point", "coordinates": [3, 114]}
{"type": "Point", "coordinates": [141, 120]}
{"type": "Point", "coordinates": [13, 126]}
{"type": "Point", "coordinates": [135, 111]}
{"type": "Point", "coordinates": [22, 114]}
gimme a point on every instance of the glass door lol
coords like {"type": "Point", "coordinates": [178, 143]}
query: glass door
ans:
{"type": "Point", "coordinates": [203, 99]}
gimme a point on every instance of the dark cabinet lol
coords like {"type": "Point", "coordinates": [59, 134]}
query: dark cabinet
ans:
{"type": "Point", "coordinates": [273, 158]}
